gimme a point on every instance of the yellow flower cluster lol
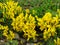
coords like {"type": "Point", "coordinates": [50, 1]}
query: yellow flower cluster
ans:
{"type": "Point", "coordinates": [48, 24]}
{"type": "Point", "coordinates": [26, 24]}
{"type": "Point", "coordinates": [5, 29]}
{"type": "Point", "coordinates": [1, 5]}
{"type": "Point", "coordinates": [10, 35]}
{"type": "Point", "coordinates": [29, 27]}
{"type": "Point", "coordinates": [18, 22]}
{"type": "Point", "coordinates": [57, 42]}
{"type": "Point", "coordinates": [10, 9]}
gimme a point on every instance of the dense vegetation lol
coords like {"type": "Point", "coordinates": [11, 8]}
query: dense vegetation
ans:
{"type": "Point", "coordinates": [30, 21]}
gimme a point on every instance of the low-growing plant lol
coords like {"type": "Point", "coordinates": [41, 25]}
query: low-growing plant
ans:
{"type": "Point", "coordinates": [14, 19]}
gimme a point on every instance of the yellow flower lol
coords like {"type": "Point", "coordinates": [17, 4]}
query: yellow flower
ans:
{"type": "Point", "coordinates": [35, 44]}
{"type": "Point", "coordinates": [51, 31]}
{"type": "Point", "coordinates": [30, 34]}
{"type": "Point", "coordinates": [27, 11]}
{"type": "Point", "coordinates": [5, 33]}
{"type": "Point", "coordinates": [57, 42]}
{"type": "Point", "coordinates": [18, 9]}
{"type": "Point", "coordinates": [26, 16]}
{"type": "Point", "coordinates": [47, 17]}
{"type": "Point", "coordinates": [9, 10]}
{"type": "Point", "coordinates": [18, 22]}
{"type": "Point", "coordinates": [10, 35]}
{"type": "Point", "coordinates": [1, 5]}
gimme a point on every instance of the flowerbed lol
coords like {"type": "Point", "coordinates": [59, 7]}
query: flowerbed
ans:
{"type": "Point", "coordinates": [30, 27]}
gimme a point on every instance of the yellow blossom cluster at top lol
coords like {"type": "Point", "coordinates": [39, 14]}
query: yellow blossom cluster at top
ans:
{"type": "Point", "coordinates": [10, 9]}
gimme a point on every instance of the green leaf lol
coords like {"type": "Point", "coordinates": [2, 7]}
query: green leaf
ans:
{"type": "Point", "coordinates": [50, 41]}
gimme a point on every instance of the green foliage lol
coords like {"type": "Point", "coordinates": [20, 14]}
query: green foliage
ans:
{"type": "Point", "coordinates": [50, 42]}
{"type": "Point", "coordinates": [12, 42]}
{"type": "Point", "coordinates": [1, 34]}
{"type": "Point", "coordinates": [58, 32]}
{"type": "Point", "coordinates": [47, 6]}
